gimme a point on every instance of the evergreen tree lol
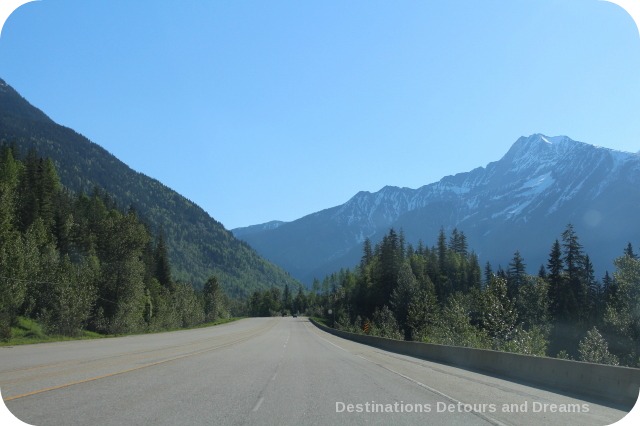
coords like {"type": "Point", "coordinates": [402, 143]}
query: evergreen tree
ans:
{"type": "Point", "coordinates": [542, 272]}
{"type": "Point", "coordinates": [594, 308]}
{"type": "Point", "coordinates": [442, 251]}
{"type": "Point", "coordinates": [608, 289]}
{"type": "Point", "coordinates": [515, 274]}
{"type": "Point", "coordinates": [402, 296]}
{"type": "Point", "coordinates": [367, 255]}
{"type": "Point", "coordinates": [488, 273]}
{"type": "Point", "coordinates": [628, 251]}
{"type": "Point", "coordinates": [214, 306]}
{"type": "Point", "coordinates": [162, 264]}
{"type": "Point", "coordinates": [575, 273]}
{"type": "Point", "coordinates": [558, 295]}
{"type": "Point", "coordinates": [533, 303]}
{"type": "Point", "coordinates": [10, 171]}
{"type": "Point", "coordinates": [458, 242]}
{"type": "Point", "coordinates": [300, 302]}
{"type": "Point", "coordinates": [287, 299]}
{"type": "Point", "coordinates": [390, 260]}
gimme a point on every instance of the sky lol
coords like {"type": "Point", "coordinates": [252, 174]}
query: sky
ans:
{"type": "Point", "coordinates": [272, 110]}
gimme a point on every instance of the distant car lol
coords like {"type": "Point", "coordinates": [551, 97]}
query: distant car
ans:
{"type": "Point", "coordinates": [295, 315]}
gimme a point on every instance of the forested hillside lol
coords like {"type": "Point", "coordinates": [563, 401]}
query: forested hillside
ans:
{"type": "Point", "coordinates": [442, 295]}
{"type": "Point", "coordinates": [198, 245]}
{"type": "Point", "coordinates": [76, 262]}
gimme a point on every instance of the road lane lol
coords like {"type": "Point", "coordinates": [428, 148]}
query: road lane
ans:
{"type": "Point", "coordinates": [271, 371]}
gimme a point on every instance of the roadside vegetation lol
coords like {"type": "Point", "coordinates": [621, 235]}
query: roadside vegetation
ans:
{"type": "Point", "coordinates": [27, 331]}
{"type": "Point", "coordinates": [442, 295]}
{"type": "Point", "coordinates": [77, 265]}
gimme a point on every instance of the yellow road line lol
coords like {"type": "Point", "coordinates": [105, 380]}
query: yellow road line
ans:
{"type": "Point", "coordinates": [91, 379]}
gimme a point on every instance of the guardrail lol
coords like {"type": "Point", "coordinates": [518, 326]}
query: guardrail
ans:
{"type": "Point", "coordinates": [603, 383]}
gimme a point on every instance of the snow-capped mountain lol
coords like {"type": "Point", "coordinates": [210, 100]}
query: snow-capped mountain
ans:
{"type": "Point", "coordinates": [521, 202]}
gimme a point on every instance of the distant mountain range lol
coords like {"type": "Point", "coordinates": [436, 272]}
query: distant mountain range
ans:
{"type": "Point", "coordinates": [522, 202]}
{"type": "Point", "coordinates": [199, 246]}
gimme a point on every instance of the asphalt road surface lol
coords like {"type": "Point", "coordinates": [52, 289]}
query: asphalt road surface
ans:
{"type": "Point", "coordinates": [264, 371]}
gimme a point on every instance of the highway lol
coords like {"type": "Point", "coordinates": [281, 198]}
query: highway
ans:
{"type": "Point", "coordinates": [264, 371]}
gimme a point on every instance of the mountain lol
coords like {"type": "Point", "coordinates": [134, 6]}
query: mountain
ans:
{"type": "Point", "coordinates": [199, 246]}
{"type": "Point", "coordinates": [522, 202]}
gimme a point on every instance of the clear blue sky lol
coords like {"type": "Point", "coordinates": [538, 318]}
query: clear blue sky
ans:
{"type": "Point", "coordinates": [261, 110]}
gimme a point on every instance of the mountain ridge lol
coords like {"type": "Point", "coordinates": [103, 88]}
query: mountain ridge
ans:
{"type": "Point", "coordinates": [540, 183]}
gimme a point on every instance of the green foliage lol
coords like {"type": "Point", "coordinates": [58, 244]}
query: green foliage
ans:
{"type": "Point", "coordinates": [215, 305]}
{"type": "Point", "coordinates": [454, 326]}
{"type": "Point", "coordinates": [72, 299]}
{"type": "Point", "coordinates": [594, 348]}
{"type": "Point", "coordinates": [498, 313]}
{"type": "Point", "coordinates": [622, 316]}
{"type": "Point", "coordinates": [527, 342]}
{"type": "Point", "coordinates": [422, 313]}
{"type": "Point", "coordinates": [436, 295]}
{"type": "Point", "coordinates": [77, 262]}
{"type": "Point", "coordinates": [403, 295]}
{"type": "Point", "coordinates": [532, 303]}
{"type": "Point", "coordinates": [384, 324]}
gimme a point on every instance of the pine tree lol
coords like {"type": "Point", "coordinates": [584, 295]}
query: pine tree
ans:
{"type": "Point", "coordinates": [515, 274]}
{"type": "Point", "coordinates": [542, 272]}
{"type": "Point", "coordinates": [162, 265]}
{"type": "Point", "coordinates": [214, 306]}
{"type": "Point", "coordinates": [300, 302]}
{"type": "Point", "coordinates": [628, 251]}
{"type": "Point", "coordinates": [287, 299]}
{"type": "Point", "coordinates": [367, 256]}
{"type": "Point", "coordinates": [575, 273]}
{"type": "Point", "coordinates": [458, 242]}
{"type": "Point", "coordinates": [488, 273]}
{"type": "Point", "coordinates": [10, 170]}
{"type": "Point", "coordinates": [557, 291]}
{"type": "Point", "coordinates": [594, 306]}
{"type": "Point", "coordinates": [608, 288]}
{"type": "Point", "coordinates": [442, 251]}
{"type": "Point", "coordinates": [390, 260]}
{"type": "Point", "coordinates": [402, 296]}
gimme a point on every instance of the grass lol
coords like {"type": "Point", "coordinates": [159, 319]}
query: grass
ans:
{"type": "Point", "coordinates": [322, 321]}
{"type": "Point", "coordinates": [28, 331]}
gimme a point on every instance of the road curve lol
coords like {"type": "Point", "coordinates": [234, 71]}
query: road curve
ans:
{"type": "Point", "coordinates": [264, 371]}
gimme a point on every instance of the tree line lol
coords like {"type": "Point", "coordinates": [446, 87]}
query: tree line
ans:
{"type": "Point", "coordinates": [77, 262]}
{"type": "Point", "coordinates": [442, 295]}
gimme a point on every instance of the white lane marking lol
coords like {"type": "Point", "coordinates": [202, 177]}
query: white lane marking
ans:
{"type": "Point", "coordinates": [331, 343]}
{"type": "Point", "coordinates": [437, 392]}
{"type": "Point", "coordinates": [258, 404]}
{"type": "Point", "coordinates": [422, 385]}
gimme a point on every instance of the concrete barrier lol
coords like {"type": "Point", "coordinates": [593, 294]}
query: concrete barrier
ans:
{"type": "Point", "coordinates": [604, 383]}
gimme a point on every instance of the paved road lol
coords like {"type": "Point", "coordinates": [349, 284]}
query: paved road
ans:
{"type": "Point", "coordinates": [263, 371]}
